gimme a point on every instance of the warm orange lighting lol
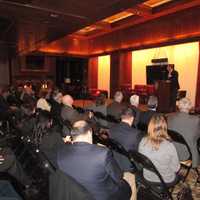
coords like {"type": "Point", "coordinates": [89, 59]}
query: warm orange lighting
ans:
{"type": "Point", "coordinates": [118, 17]}
{"type": "Point", "coordinates": [184, 56]}
{"type": "Point", "coordinates": [154, 3]}
{"type": "Point", "coordinates": [104, 73]}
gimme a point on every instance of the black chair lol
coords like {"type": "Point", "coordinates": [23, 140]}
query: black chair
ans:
{"type": "Point", "coordinates": [159, 190]}
{"type": "Point", "coordinates": [65, 187]}
{"type": "Point", "coordinates": [187, 164]}
{"type": "Point", "coordinates": [123, 155]}
{"type": "Point", "coordinates": [198, 149]}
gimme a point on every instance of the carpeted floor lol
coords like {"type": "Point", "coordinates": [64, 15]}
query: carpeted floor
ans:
{"type": "Point", "coordinates": [192, 182]}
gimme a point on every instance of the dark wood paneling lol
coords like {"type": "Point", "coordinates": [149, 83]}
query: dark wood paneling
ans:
{"type": "Point", "coordinates": [93, 73]}
{"type": "Point", "coordinates": [126, 69]}
{"type": "Point", "coordinates": [177, 27]}
{"type": "Point", "coordinates": [114, 72]}
{"type": "Point", "coordinates": [120, 71]}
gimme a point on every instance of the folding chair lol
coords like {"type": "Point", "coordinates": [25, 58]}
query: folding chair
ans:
{"type": "Point", "coordinates": [158, 191]}
{"type": "Point", "coordinates": [187, 164]}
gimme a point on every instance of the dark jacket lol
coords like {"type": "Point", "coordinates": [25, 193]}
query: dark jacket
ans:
{"type": "Point", "coordinates": [63, 187]}
{"type": "Point", "coordinates": [72, 115]}
{"type": "Point", "coordinates": [145, 118]}
{"type": "Point", "coordinates": [174, 80]}
{"type": "Point", "coordinates": [93, 167]}
{"type": "Point", "coordinates": [126, 135]}
{"type": "Point", "coordinates": [115, 109]}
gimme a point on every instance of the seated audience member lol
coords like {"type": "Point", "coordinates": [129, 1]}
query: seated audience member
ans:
{"type": "Point", "coordinates": [4, 106]}
{"type": "Point", "coordinates": [71, 114]}
{"type": "Point", "coordinates": [160, 150]}
{"type": "Point", "coordinates": [124, 133]}
{"type": "Point", "coordinates": [100, 107]}
{"type": "Point", "coordinates": [115, 108]}
{"type": "Point", "coordinates": [56, 103]}
{"type": "Point", "coordinates": [42, 102]}
{"type": "Point", "coordinates": [27, 94]}
{"type": "Point", "coordinates": [92, 166]}
{"type": "Point", "coordinates": [134, 101]}
{"type": "Point", "coordinates": [6, 110]}
{"type": "Point", "coordinates": [100, 104]}
{"type": "Point", "coordinates": [9, 164]}
{"type": "Point", "coordinates": [189, 127]}
{"type": "Point", "coordinates": [45, 136]}
{"type": "Point", "coordinates": [146, 115]}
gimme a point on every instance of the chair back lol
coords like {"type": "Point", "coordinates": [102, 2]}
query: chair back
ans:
{"type": "Point", "coordinates": [198, 145]}
{"type": "Point", "coordinates": [178, 138]}
{"type": "Point", "coordinates": [62, 186]}
{"type": "Point", "coordinates": [142, 162]}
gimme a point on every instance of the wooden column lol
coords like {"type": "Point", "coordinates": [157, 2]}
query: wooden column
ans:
{"type": "Point", "coordinates": [93, 73]}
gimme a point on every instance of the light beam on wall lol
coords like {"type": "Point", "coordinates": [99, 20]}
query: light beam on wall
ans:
{"type": "Point", "coordinates": [104, 73]}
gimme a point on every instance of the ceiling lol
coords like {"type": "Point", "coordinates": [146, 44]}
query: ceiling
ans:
{"type": "Point", "coordinates": [30, 24]}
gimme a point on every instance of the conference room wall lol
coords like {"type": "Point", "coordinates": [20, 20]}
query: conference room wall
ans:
{"type": "Point", "coordinates": [184, 56]}
{"type": "Point", "coordinates": [104, 73]}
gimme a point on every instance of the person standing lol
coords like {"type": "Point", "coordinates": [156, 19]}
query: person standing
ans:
{"type": "Point", "coordinates": [173, 78]}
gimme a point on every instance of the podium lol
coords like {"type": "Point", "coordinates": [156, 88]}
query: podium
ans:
{"type": "Point", "coordinates": [163, 93]}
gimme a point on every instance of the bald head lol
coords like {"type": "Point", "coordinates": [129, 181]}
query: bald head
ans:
{"type": "Point", "coordinates": [67, 100]}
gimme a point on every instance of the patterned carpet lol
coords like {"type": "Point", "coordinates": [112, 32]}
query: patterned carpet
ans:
{"type": "Point", "coordinates": [192, 182]}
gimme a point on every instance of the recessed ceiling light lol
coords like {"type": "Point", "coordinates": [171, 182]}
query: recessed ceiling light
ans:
{"type": "Point", "coordinates": [54, 15]}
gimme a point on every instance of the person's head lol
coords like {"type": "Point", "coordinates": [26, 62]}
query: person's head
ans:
{"type": "Point", "coordinates": [157, 130]}
{"type": "Point", "coordinates": [58, 97]}
{"type": "Point", "coordinates": [170, 67]}
{"type": "Point", "coordinates": [134, 100]}
{"type": "Point", "coordinates": [42, 125]}
{"type": "Point", "coordinates": [118, 97]}
{"type": "Point", "coordinates": [152, 103]}
{"type": "Point", "coordinates": [28, 90]}
{"type": "Point", "coordinates": [184, 105]}
{"type": "Point", "coordinates": [67, 100]}
{"type": "Point", "coordinates": [101, 99]}
{"type": "Point", "coordinates": [128, 116]}
{"type": "Point", "coordinates": [43, 93]}
{"type": "Point", "coordinates": [81, 132]}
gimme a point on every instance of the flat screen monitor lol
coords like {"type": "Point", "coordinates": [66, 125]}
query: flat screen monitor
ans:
{"type": "Point", "coordinates": [155, 73]}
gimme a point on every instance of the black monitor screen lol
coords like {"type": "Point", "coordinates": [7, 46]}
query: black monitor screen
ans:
{"type": "Point", "coordinates": [35, 62]}
{"type": "Point", "coordinates": [156, 72]}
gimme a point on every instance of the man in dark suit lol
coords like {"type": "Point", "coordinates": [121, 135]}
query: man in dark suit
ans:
{"type": "Point", "coordinates": [92, 166]}
{"type": "Point", "coordinates": [69, 113]}
{"type": "Point", "coordinates": [124, 133]}
{"type": "Point", "coordinates": [145, 116]}
{"type": "Point", "coordinates": [173, 78]}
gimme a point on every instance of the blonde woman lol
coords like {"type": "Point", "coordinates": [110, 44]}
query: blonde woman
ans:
{"type": "Point", "coordinates": [160, 150]}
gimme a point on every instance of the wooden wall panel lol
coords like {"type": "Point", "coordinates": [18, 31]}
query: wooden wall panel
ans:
{"type": "Point", "coordinates": [114, 73]}
{"type": "Point", "coordinates": [165, 30]}
{"type": "Point", "coordinates": [93, 73]}
{"type": "Point", "coordinates": [120, 71]}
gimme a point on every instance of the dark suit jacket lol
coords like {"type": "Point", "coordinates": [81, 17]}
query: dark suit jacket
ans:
{"type": "Point", "coordinates": [137, 117]}
{"type": "Point", "coordinates": [126, 135]}
{"type": "Point", "coordinates": [145, 118]}
{"type": "Point", "coordinates": [174, 80]}
{"type": "Point", "coordinates": [129, 138]}
{"type": "Point", "coordinates": [114, 109]}
{"type": "Point", "coordinates": [72, 115]}
{"type": "Point", "coordinates": [93, 167]}
{"type": "Point", "coordinates": [63, 187]}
